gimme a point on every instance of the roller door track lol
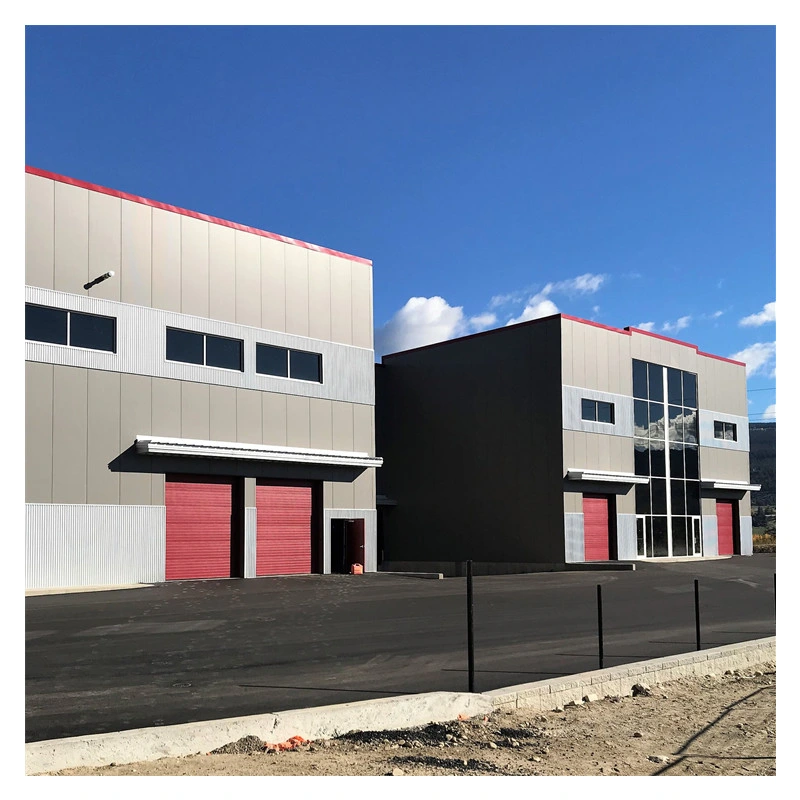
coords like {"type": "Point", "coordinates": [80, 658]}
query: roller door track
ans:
{"type": "Point", "coordinates": [595, 528]}
{"type": "Point", "coordinates": [283, 543]}
{"type": "Point", "coordinates": [199, 527]}
{"type": "Point", "coordinates": [725, 527]}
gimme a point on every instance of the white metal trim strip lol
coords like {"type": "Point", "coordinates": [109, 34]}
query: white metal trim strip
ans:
{"type": "Point", "coordinates": [577, 474]}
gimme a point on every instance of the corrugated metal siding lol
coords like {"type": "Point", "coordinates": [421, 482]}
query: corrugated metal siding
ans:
{"type": "Point", "coordinates": [746, 535]}
{"type": "Point", "coordinates": [198, 527]}
{"type": "Point", "coordinates": [724, 527]}
{"type": "Point", "coordinates": [250, 543]}
{"type": "Point", "coordinates": [370, 517]}
{"type": "Point", "coordinates": [573, 538]}
{"type": "Point", "coordinates": [626, 537]}
{"type": "Point", "coordinates": [347, 371]}
{"type": "Point", "coordinates": [595, 527]}
{"type": "Point", "coordinates": [710, 544]}
{"type": "Point", "coordinates": [706, 430]}
{"type": "Point", "coordinates": [571, 397]}
{"type": "Point", "coordinates": [283, 529]}
{"type": "Point", "coordinates": [93, 545]}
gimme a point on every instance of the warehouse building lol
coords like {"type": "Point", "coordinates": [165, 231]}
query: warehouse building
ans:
{"type": "Point", "coordinates": [199, 395]}
{"type": "Point", "coordinates": [559, 442]}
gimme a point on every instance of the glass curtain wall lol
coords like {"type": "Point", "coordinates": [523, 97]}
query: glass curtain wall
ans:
{"type": "Point", "coordinates": [666, 451]}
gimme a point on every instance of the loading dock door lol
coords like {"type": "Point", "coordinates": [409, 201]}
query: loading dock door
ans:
{"type": "Point", "coordinates": [725, 527]}
{"type": "Point", "coordinates": [199, 527]}
{"type": "Point", "coordinates": [283, 539]}
{"type": "Point", "coordinates": [595, 527]}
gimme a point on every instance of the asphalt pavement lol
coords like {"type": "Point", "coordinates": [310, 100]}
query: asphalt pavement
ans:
{"type": "Point", "coordinates": [198, 650]}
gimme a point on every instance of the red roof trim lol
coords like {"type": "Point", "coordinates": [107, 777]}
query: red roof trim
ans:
{"type": "Point", "coordinates": [625, 331]}
{"type": "Point", "coordinates": [194, 214]}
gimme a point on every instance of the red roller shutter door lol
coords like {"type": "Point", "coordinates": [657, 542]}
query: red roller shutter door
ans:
{"type": "Point", "coordinates": [198, 527]}
{"type": "Point", "coordinates": [283, 540]}
{"type": "Point", "coordinates": [595, 527]}
{"type": "Point", "coordinates": [725, 527]}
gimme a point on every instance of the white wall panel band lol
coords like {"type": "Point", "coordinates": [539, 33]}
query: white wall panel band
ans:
{"type": "Point", "coordinates": [626, 537]}
{"type": "Point", "coordinates": [706, 430]}
{"type": "Point", "coordinates": [571, 397]}
{"type": "Point", "coordinates": [250, 542]}
{"type": "Point", "coordinates": [347, 371]}
{"type": "Point", "coordinates": [710, 536]}
{"type": "Point", "coordinates": [746, 535]}
{"type": "Point", "coordinates": [370, 517]}
{"type": "Point", "coordinates": [93, 545]}
{"type": "Point", "coordinates": [573, 538]}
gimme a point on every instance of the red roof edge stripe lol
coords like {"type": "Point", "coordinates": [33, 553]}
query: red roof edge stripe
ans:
{"type": "Point", "coordinates": [194, 214]}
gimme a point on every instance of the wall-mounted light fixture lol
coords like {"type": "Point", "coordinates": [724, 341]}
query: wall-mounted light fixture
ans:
{"type": "Point", "coordinates": [103, 277]}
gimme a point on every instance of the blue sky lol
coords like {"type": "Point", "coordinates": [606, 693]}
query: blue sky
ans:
{"type": "Point", "coordinates": [625, 175]}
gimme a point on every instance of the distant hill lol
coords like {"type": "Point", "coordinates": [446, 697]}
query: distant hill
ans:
{"type": "Point", "coordinates": [762, 462]}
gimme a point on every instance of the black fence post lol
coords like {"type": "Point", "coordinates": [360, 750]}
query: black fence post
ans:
{"type": "Point", "coordinates": [697, 611]}
{"type": "Point", "coordinates": [470, 639]}
{"type": "Point", "coordinates": [600, 623]}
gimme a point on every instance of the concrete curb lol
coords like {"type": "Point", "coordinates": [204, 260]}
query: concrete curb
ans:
{"type": "Point", "coordinates": [391, 713]}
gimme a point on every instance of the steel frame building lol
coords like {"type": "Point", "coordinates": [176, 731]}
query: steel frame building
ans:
{"type": "Point", "coordinates": [199, 395]}
{"type": "Point", "coordinates": [558, 442]}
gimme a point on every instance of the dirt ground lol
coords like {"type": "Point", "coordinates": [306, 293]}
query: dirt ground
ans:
{"type": "Point", "coordinates": [715, 725]}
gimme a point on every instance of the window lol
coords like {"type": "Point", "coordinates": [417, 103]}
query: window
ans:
{"type": "Point", "coordinates": [284, 363]}
{"type": "Point", "coordinates": [597, 411]}
{"type": "Point", "coordinates": [73, 328]}
{"type": "Point", "coordinates": [725, 430]}
{"type": "Point", "coordinates": [192, 347]}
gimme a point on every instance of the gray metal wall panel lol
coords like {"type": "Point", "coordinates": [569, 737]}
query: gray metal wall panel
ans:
{"type": "Point", "coordinates": [221, 272]}
{"type": "Point", "coordinates": [297, 291]}
{"type": "Point", "coordinates": [71, 238]}
{"type": "Point", "coordinates": [136, 257]}
{"type": "Point", "coordinates": [361, 276]}
{"type": "Point", "coordinates": [364, 489]}
{"type": "Point", "coordinates": [273, 285]}
{"type": "Point", "coordinates": [274, 416]}
{"type": "Point", "coordinates": [348, 372]}
{"type": "Point", "coordinates": [166, 405]}
{"type": "Point", "coordinates": [248, 416]}
{"type": "Point", "coordinates": [222, 413]}
{"type": "Point", "coordinates": [103, 435]}
{"type": "Point", "coordinates": [341, 300]}
{"type": "Point", "coordinates": [710, 535]}
{"type": "Point", "coordinates": [706, 430]}
{"type": "Point", "coordinates": [93, 545]}
{"type": "Point", "coordinates": [135, 418]}
{"type": "Point", "coordinates": [321, 424]}
{"type": "Point", "coordinates": [39, 231]}
{"type": "Point", "coordinates": [195, 412]}
{"type": "Point", "coordinates": [370, 517]}
{"type": "Point", "coordinates": [571, 397]}
{"type": "Point", "coordinates": [70, 433]}
{"type": "Point", "coordinates": [38, 433]}
{"type": "Point", "coordinates": [363, 429]}
{"type": "Point", "coordinates": [194, 267]}
{"type": "Point", "coordinates": [573, 538]}
{"type": "Point", "coordinates": [746, 535]}
{"type": "Point", "coordinates": [626, 537]}
{"type": "Point", "coordinates": [298, 422]}
{"type": "Point", "coordinates": [248, 278]}
{"type": "Point", "coordinates": [726, 464]}
{"type": "Point", "coordinates": [342, 426]}
{"type": "Point", "coordinates": [343, 495]}
{"type": "Point", "coordinates": [105, 229]}
{"type": "Point", "coordinates": [166, 260]}
{"type": "Point", "coordinates": [319, 295]}
{"type": "Point", "coordinates": [250, 517]}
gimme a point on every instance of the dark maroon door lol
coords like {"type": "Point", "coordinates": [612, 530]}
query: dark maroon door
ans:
{"type": "Point", "coordinates": [595, 527]}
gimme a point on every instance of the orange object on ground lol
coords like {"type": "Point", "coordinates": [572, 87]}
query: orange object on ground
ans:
{"type": "Point", "coordinates": [356, 569]}
{"type": "Point", "coordinates": [290, 744]}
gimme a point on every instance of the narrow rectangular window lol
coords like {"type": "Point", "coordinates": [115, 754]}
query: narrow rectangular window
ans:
{"type": "Point", "coordinates": [588, 410]}
{"type": "Point", "coordinates": [605, 412]}
{"type": "Point", "coordinates": [730, 431]}
{"type": "Point", "coordinates": [92, 331]}
{"type": "Point", "coordinates": [186, 346]}
{"type": "Point", "coordinates": [45, 324]}
{"type": "Point", "coordinates": [305, 366]}
{"type": "Point", "coordinates": [719, 430]}
{"type": "Point", "coordinates": [272, 360]}
{"type": "Point", "coordinates": [223, 352]}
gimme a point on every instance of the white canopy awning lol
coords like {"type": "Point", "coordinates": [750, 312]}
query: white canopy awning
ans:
{"type": "Point", "coordinates": [167, 446]}
{"type": "Point", "coordinates": [721, 483]}
{"type": "Point", "coordinates": [578, 474]}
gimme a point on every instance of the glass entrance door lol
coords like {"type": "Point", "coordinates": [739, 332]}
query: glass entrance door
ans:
{"type": "Point", "coordinates": [697, 537]}
{"type": "Point", "coordinates": [644, 536]}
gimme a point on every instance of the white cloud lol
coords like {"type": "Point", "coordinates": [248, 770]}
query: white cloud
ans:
{"type": "Point", "coordinates": [536, 307]}
{"type": "Point", "coordinates": [646, 326]}
{"type": "Point", "coordinates": [508, 299]}
{"type": "Point", "coordinates": [421, 321]}
{"type": "Point", "coordinates": [767, 314]}
{"type": "Point", "coordinates": [540, 305]}
{"type": "Point", "coordinates": [759, 358]}
{"type": "Point", "coordinates": [595, 309]}
{"type": "Point", "coordinates": [679, 325]}
{"type": "Point", "coordinates": [481, 322]}
{"type": "Point", "coordinates": [769, 412]}
{"type": "Point", "coordinates": [717, 314]}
